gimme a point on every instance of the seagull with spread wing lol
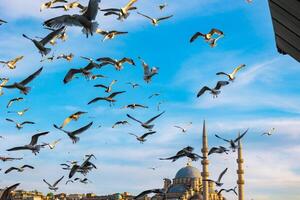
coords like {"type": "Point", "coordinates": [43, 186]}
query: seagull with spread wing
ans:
{"type": "Point", "coordinates": [22, 85]}
{"type": "Point", "coordinates": [155, 191]}
{"type": "Point", "coordinates": [18, 169]}
{"type": "Point", "coordinates": [53, 186]}
{"type": "Point", "coordinates": [134, 106]}
{"type": "Point", "coordinates": [185, 152]}
{"type": "Point", "coordinates": [147, 124]}
{"type": "Point", "coordinates": [209, 37]}
{"type": "Point", "coordinates": [67, 57]}
{"type": "Point", "coordinates": [183, 129]}
{"type": "Point", "coordinates": [71, 5]}
{"type": "Point", "coordinates": [75, 116]}
{"type": "Point", "coordinates": [218, 182]}
{"type": "Point", "coordinates": [20, 113]}
{"type": "Point", "coordinates": [32, 146]}
{"type": "Point", "coordinates": [72, 134]}
{"type": "Point", "coordinates": [269, 133]}
{"type": "Point", "coordinates": [231, 76]}
{"type": "Point", "coordinates": [50, 3]}
{"type": "Point", "coordinates": [109, 98]}
{"type": "Point", "coordinates": [118, 64]}
{"type": "Point", "coordinates": [120, 123]}
{"type": "Point", "coordinates": [11, 101]}
{"type": "Point", "coordinates": [5, 159]}
{"type": "Point", "coordinates": [142, 138]}
{"type": "Point", "coordinates": [148, 73]}
{"type": "Point", "coordinates": [19, 125]}
{"type": "Point", "coordinates": [155, 21]}
{"type": "Point", "coordinates": [52, 144]}
{"type": "Point", "coordinates": [40, 45]}
{"type": "Point", "coordinates": [11, 64]}
{"type": "Point", "coordinates": [109, 35]}
{"type": "Point", "coordinates": [2, 22]}
{"type": "Point", "coordinates": [108, 88]}
{"type": "Point", "coordinates": [214, 91]}
{"type": "Point", "coordinates": [233, 142]}
{"type": "Point", "coordinates": [85, 20]}
{"type": "Point", "coordinates": [133, 85]}
{"type": "Point", "coordinates": [219, 150]}
{"type": "Point", "coordinates": [228, 190]}
{"type": "Point", "coordinates": [123, 12]}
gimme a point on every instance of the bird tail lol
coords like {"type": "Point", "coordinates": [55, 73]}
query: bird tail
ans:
{"type": "Point", "coordinates": [25, 90]}
{"type": "Point", "coordinates": [90, 30]}
{"type": "Point", "coordinates": [46, 51]}
{"type": "Point", "coordinates": [75, 139]}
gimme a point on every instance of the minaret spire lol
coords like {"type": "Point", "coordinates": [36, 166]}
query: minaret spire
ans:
{"type": "Point", "coordinates": [240, 172]}
{"type": "Point", "coordinates": [205, 163]}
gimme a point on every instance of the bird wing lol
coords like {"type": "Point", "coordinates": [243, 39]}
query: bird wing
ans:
{"type": "Point", "coordinates": [82, 129]}
{"type": "Point", "coordinates": [179, 127]}
{"type": "Point", "coordinates": [18, 148]}
{"type": "Point", "coordinates": [222, 138]}
{"type": "Point", "coordinates": [153, 118]}
{"type": "Point", "coordinates": [34, 138]}
{"type": "Point", "coordinates": [195, 36]}
{"type": "Point", "coordinates": [51, 35]}
{"type": "Point", "coordinates": [129, 60]}
{"type": "Point", "coordinates": [58, 181]}
{"type": "Point", "coordinates": [10, 120]}
{"type": "Point", "coordinates": [221, 84]}
{"type": "Point", "coordinates": [47, 183]}
{"type": "Point", "coordinates": [31, 77]}
{"type": "Point", "coordinates": [6, 193]}
{"type": "Point", "coordinates": [240, 137]}
{"type": "Point", "coordinates": [112, 95]}
{"type": "Point", "coordinates": [222, 174]}
{"type": "Point", "coordinates": [222, 73]}
{"type": "Point", "coordinates": [92, 10]}
{"type": "Point", "coordinates": [145, 15]}
{"type": "Point", "coordinates": [100, 85]}
{"type": "Point", "coordinates": [204, 89]}
{"type": "Point", "coordinates": [10, 169]}
{"type": "Point", "coordinates": [106, 59]}
{"type": "Point", "coordinates": [113, 82]}
{"type": "Point", "coordinates": [69, 76]}
{"type": "Point", "coordinates": [129, 4]}
{"type": "Point", "coordinates": [27, 122]}
{"type": "Point", "coordinates": [133, 135]}
{"type": "Point", "coordinates": [95, 100]}
{"type": "Point", "coordinates": [12, 100]}
{"type": "Point", "coordinates": [134, 119]}
{"type": "Point", "coordinates": [143, 194]}
{"type": "Point", "coordinates": [66, 121]}
{"type": "Point", "coordinates": [212, 150]}
{"type": "Point", "coordinates": [163, 18]}
{"type": "Point", "coordinates": [27, 166]}
{"type": "Point", "coordinates": [63, 20]}
{"type": "Point", "coordinates": [237, 69]}
{"type": "Point", "coordinates": [217, 31]}
{"type": "Point", "coordinates": [146, 134]}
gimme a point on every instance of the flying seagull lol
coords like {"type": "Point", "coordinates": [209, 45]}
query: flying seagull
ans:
{"type": "Point", "coordinates": [233, 143]}
{"type": "Point", "coordinates": [50, 3]}
{"type": "Point", "coordinates": [219, 150]}
{"type": "Point", "coordinates": [229, 190]}
{"type": "Point", "coordinates": [75, 116]}
{"type": "Point", "coordinates": [72, 134]}
{"type": "Point", "coordinates": [183, 130]}
{"type": "Point", "coordinates": [218, 182]}
{"type": "Point", "coordinates": [84, 168]}
{"type": "Point", "coordinates": [185, 152]}
{"type": "Point", "coordinates": [208, 37]}
{"type": "Point", "coordinates": [10, 102]}
{"type": "Point", "coordinates": [214, 91]}
{"type": "Point", "coordinates": [155, 191]}
{"type": "Point", "coordinates": [120, 123]}
{"type": "Point", "coordinates": [52, 144]}
{"type": "Point", "coordinates": [5, 159]}
{"type": "Point", "coordinates": [84, 180]}
{"type": "Point", "coordinates": [4, 82]}
{"type": "Point", "coordinates": [118, 64]}
{"type": "Point", "coordinates": [71, 5]}
{"type": "Point", "coordinates": [108, 88]}
{"type": "Point", "coordinates": [162, 6]}
{"type": "Point", "coordinates": [148, 73]}
{"type": "Point", "coordinates": [269, 133]}
{"type": "Point", "coordinates": [40, 45]}
{"type": "Point", "coordinates": [133, 85]}
{"type": "Point", "coordinates": [109, 35]}
{"type": "Point", "coordinates": [109, 98]}
{"type": "Point", "coordinates": [231, 76]}
{"type": "Point", "coordinates": [32, 146]}
{"type": "Point", "coordinates": [19, 125]}
{"type": "Point", "coordinates": [18, 169]}
{"type": "Point", "coordinates": [123, 12]}
{"type": "Point", "coordinates": [85, 20]}
{"type": "Point", "coordinates": [134, 106]}
{"type": "Point", "coordinates": [153, 95]}
{"type": "Point", "coordinates": [22, 85]}
{"type": "Point", "coordinates": [67, 57]}
{"type": "Point", "coordinates": [20, 113]}
{"type": "Point", "coordinates": [155, 21]}
{"type": "Point", "coordinates": [6, 193]}
{"type": "Point", "coordinates": [142, 138]}
{"type": "Point", "coordinates": [2, 22]}
{"type": "Point", "coordinates": [11, 64]}
{"type": "Point", "coordinates": [147, 124]}
{"type": "Point", "coordinates": [54, 186]}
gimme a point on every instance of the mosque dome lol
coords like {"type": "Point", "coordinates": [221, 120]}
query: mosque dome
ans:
{"type": "Point", "coordinates": [188, 172]}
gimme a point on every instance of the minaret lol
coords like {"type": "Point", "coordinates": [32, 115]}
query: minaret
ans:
{"type": "Point", "coordinates": [240, 172]}
{"type": "Point", "coordinates": [205, 163]}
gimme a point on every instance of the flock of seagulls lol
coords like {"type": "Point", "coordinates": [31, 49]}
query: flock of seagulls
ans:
{"type": "Point", "coordinates": [86, 19]}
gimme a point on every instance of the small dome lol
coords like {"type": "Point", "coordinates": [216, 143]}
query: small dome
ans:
{"type": "Point", "coordinates": [177, 189]}
{"type": "Point", "coordinates": [188, 172]}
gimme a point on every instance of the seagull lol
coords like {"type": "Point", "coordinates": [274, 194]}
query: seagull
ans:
{"type": "Point", "coordinates": [3, 83]}
{"type": "Point", "coordinates": [6, 193]}
{"type": "Point", "coordinates": [40, 45]}
{"type": "Point", "coordinates": [133, 85]}
{"type": "Point", "coordinates": [11, 64]}
{"type": "Point", "coordinates": [148, 73]}
{"type": "Point", "coordinates": [269, 133]}
{"type": "Point", "coordinates": [10, 102]}
{"type": "Point", "coordinates": [50, 3]}
{"type": "Point", "coordinates": [84, 181]}
{"type": "Point", "coordinates": [142, 138]}
{"type": "Point", "coordinates": [72, 134]}
{"type": "Point", "coordinates": [67, 57]}
{"type": "Point", "coordinates": [22, 85]}
{"type": "Point", "coordinates": [158, 105]}
{"type": "Point", "coordinates": [120, 123]}
{"type": "Point", "coordinates": [118, 64]}
{"type": "Point", "coordinates": [123, 12]}
{"type": "Point", "coordinates": [20, 113]}
{"type": "Point", "coordinates": [155, 191]}
{"type": "Point", "coordinates": [84, 168]}
{"type": "Point", "coordinates": [109, 35]}
{"type": "Point", "coordinates": [231, 76]}
{"type": "Point", "coordinates": [20, 169]}
{"type": "Point", "coordinates": [108, 88]}
{"type": "Point", "coordinates": [153, 20]}
{"type": "Point", "coordinates": [109, 98]}
{"type": "Point", "coordinates": [134, 106]}
{"type": "Point", "coordinates": [54, 186]}
{"type": "Point", "coordinates": [219, 150]}
{"type": "Point", "coordinates": [86, 20]}
{"type": "Point", "coordinates": [53, 144]}
{"type": "Point", "coordinates": [229, 190]}
{"type": "Point", "coordinates": [4, 159]}
{"type": "Point", "coordinates": [185, 152]}
{"type": "Point", "coordinates": [75, 116]}
{"type": "Point", "coordinates": [146, 124]}
{"type": "Point", "coordinates": [162, 6]}
{"type": "Point", "coordinates": [32, 146]}
{"type": "Point", "coordinates": [233, 143]}
{"type": "Point", "coordinates": [19, 125]}
{"type": "Point", "coordinates": [71, 5]}
{"type": "Point", "coordinates": [209, 36]}
{"type": "Point", "coordinates": [183, 130]}
{"type": "Point", "coordinates": [95, 76]}
{"type": "Point", "coordinates": [214, 91]}
{"type": "Point", "coordinates": [153, 95]}
{"type": "Point", "coordinates": [50, 59]}
{"type": "Point", "coordinates": [218, 182]}
{"type": "Point", "coordinates": [2, 22]}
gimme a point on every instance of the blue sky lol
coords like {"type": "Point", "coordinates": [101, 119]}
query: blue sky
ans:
{"type": "Point", "coordinates": [264, 95]}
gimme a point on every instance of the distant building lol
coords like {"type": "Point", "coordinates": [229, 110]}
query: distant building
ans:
{"type": "Point", "coordinates": [25, 195]}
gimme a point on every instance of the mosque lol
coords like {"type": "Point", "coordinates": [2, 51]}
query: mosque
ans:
{"type": "Point", "coordinates": [188, 183]}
